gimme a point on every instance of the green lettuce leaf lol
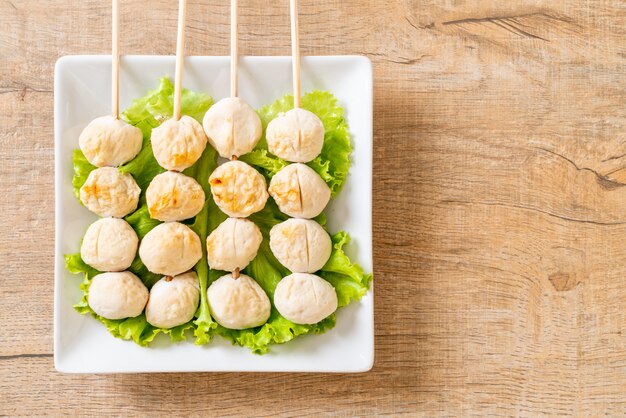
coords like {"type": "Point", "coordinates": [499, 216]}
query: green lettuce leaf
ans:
{"type": "Point", "coordinates": [348, 278]}
{"type": "Point", "coordinates": [334, 161]}
{"type": "Point", "coordinates": [144, 166]}
{"type": "Point", "coordinates": [208, 218]}
{"type": "Point", "coordinates": [82, 168]}
{"type": "Point", "coordinates": [155, 107]}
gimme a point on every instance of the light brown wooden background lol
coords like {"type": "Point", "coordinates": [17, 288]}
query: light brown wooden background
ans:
{"type": "Point", "coordinates": [499, 206]}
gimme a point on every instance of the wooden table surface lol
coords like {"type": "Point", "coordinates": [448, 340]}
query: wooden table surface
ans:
{"type": "Point", "coordinates": [499, 206]}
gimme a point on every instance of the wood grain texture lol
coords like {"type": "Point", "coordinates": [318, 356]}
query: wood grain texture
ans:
{"type": "Point", "coordinates": [499, 207]}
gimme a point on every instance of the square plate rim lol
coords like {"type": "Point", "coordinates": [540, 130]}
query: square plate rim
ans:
{"type": "Point", "coordinates": [59, 265]}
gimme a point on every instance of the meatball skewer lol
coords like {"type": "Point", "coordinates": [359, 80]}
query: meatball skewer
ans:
{"type": "Point", "coordinates": [110, 244]}
{"type": "Point", "coordinates": [173, 248]}
{"type": "Point", "coordinates": [108, 140]}
{"type": "Point", "coordinates": [115, 58]}
{"type": "Point", "coordinates": [177, 144]}
{"type": "Point", "coordinates": [301, 245]}
{"type": "Point", "coordinates": [179, 141]}
{"type": "Point", "coordinates": [296, 135]}
{"type": "Point", "coordinates": [236, 300]}
{"type": "Point", "coordinates": [232, 126]}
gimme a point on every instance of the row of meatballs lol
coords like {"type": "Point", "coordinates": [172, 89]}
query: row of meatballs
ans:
{"type": "Point", "coordinates": [301, 245]}
{"type": "Point", "coordinates": [236, 301]}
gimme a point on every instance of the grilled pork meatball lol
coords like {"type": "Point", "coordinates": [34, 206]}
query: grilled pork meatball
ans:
{"type": "Point", "coordinates": [108, 192]}
{"type": "Point", "coordinates": [173, 196]}
{"type": "Point", "coordinates": [110, 244]}
{"type": "Point", "coordinates": [299, 191]}
{"type": "Point", "coordinates": [232, 127]}
{"type": "Point", "coordinates": [170, 248]}
{"type": "Point", "coordinates": [173, 300]}
{"type": "Point", "coordinates": [108, 141]}
{"type": "Point", "coordinates": [301, 245]}
{"type": "Point", "coordinates": [233, 244]}
{"type": "Point", "coordinates": [178, 144]}
{"type": "Point", "coordinates": [238, 303]}
{"type": "Point", "coordinates": [296, 136]}
{"type": "Point", "coordinates": [305, 298]}
{"type": "Point", "coordinates": [238, 189]}
{"type": "Point", "coordinates": [117, 295]}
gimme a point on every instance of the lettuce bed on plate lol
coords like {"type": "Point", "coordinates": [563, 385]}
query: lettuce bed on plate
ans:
{"type": "Point", "coordinates": [348, 278]}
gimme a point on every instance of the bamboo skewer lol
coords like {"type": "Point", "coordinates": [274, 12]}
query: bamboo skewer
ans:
{"type": "Point", "coordinates": [115, 60]}
{"type": "Point", "coordinates": [234, 49]}
{"type": "Point", "coordinates": [234, 55]}
{"type": "Point", "coordinates": [295, 52]}
{"type": "Point", "coordinates": [180, 55]}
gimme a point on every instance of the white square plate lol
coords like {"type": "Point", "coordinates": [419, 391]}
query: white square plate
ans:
{"type": "Point", "coordinates": [82, 93]}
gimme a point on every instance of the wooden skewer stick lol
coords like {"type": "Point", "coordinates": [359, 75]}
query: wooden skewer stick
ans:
{"type": "Point", "coordinates": [180, 55]}
{"type": "Point", "coordinates": [115, 60]}
{"type": "Point", "coordinates": [234, 49]}
{"type": "Point", "coordinates": [295, 52]}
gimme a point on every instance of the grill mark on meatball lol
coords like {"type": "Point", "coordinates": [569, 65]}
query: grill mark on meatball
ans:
{"type": "Point", "coordinates": [186, 154]}
{"type": "Point", "coordinates": [299, 132]}
{"type": "Point", "coordinates": [98, 242]}
{"type": "Point", "coordinates": [233, 192]}
{"type": "Point", "coordinates": [314, 292]}
{"type": "Point", "coordinates": [299, 189]}
{"type": "Point", "coordinates": [233, 145]}
{"type": "Point", "coordinates": [182, 248]}
{"type": "Point", "coordinates": [174, 187]}
{"type": "Point", "coordinates": [235, 238]}
{"type": "Point", "coordinates": [306, 244]}
{"type": "Point", "coordinates": [299, 142]}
